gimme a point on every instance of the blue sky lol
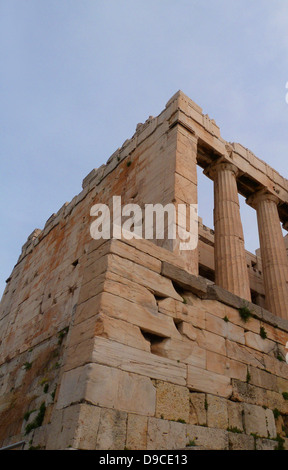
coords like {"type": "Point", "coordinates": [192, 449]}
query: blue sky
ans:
{"type": "Point", "coordinates": [76, 76]}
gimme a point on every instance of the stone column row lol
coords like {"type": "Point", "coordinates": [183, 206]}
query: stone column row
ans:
{"type": "Point", "coordinates": [231, 271]}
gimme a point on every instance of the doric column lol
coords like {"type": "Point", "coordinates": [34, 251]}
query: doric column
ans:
{"type": "Point", "coordinates": [231, 271]}
{"type": "Point", "coordinates": [273, 253]}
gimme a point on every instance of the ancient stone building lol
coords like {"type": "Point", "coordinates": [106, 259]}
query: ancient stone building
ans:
{"type": "Point", "coordinates": [138, 344]}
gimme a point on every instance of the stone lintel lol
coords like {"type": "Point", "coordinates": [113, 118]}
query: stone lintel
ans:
{"type": "Point", "coordinates": [195, 284]}
{"type": "Point", "coordinates": [228, 298]}
{"type": "Point", "coordinates": [222, 295]}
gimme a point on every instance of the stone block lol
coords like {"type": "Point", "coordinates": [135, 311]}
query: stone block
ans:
{"type": "Point", "coordinates": [62, 428]}
{"type": "Point", "coordinates": [172, 401]}
{"type": "Point", "coordinates": [134, 360]}
{"type": "Point", "coordinates": [234, 333]}
{"type": "Point", "coordinates": [112, 430]}
{"type": "Point", "coordinates": [95, 268]}
{"type": "Point", "coordinates": [211, 342]}
{"type": "Point", "coordinates": [108, 387]}
{"type": "Point", "coordinates": [255, 341]}
{"type": "Point", "coordinates": [83, 331]}
{"type": "Point", "coordinates": [180, 350]}
{"type": "Point", "coordinates": [281, 368]}
{"type": "Point", "coordinates": [215, 308]}
{"type": "Point", "coordinates": [244, 354]}
{"type": "Point", "coordinates": [271, 364]}
{"type": "Point", "coordinates": [91, 288]}
{"type": "Point", "coordinates": [129, 290]}
{"type": "Point", "coordinates": [184, 312]}
{"type": "Point", "coordinates": [275, 334]}
{"type": "Point", "coordinates": [222, 310]}
{"type": "Point", "coordinates": [148, 319]}
{"type": "Point", "coordinates": [225, 366]}
{"type": "Point", "coordinates": [218, 293]}
{"type": "Point", "coordinates": [255, 420]}
{"type": "Point", "coordinates": [128, 252]}
{"type": "Point", "coordinates": [185, 189]}
{"type": "Point", "coordinates": [120, 331]}
{"type": "Point", "coordinates": [279, 423]}
{"type": "Point", "coordinates": [245, 392]}
{"type": "Point", "coordinates": [274, 320]}
{"type": "Point", "coordinates": [276, 400]}
{"type": "Point", "coordinates": [146, 246]}
{"type": "Point", "coordinates": [184, 163]}
{"type": "Point", "coordinates": [78, 354]}
{"type": "Point", "coordinates": [235, 415]}
{"type": "Point", "coordinates": [208, 382]}
{"type": "Point", "coordinates": [163, 435]}
{"type": "Point", "coordinates": [137, 427]}
{"type": "Point", "coordinates": [209, 438]}
{"type": "Point", "coordinates": [198, 409]}
{"type": "Point", "coordinates": [237, 370]}
{"type": "Point", "coordinates": [263, 379]}
{"type": "Point", "coordinates": [87, 309]}
{"type": "Point", "coordinates": [188, 281]}
{"type": "Point", "coordinates": [158, 284]}
{"type": "Point", "coordinates": [217, 413]}
{"type": "Point", "coordinates": [73, 427]}
{"type": "Point", "coordinates": [96, 249]}
{"type": "Point", "coordinates": [224, 329]}
{"type": "Point", "coordinates": [197, 357]}
{"type": "Point", "coordinates": [270, 423]}
{"type": "Point", "coordinates": [87, 426]}
{"type": "Point", "coordinates": [265, 444]}
{"type": "Point", "coordinates": [241, 442]}
{"type": "Point", "coordinates": [217, 363]}
{"type": "Point", "coordinates": [188, 330]}
{"type": "Point", "coordinates": [73, 386]}
{"type": "Point", "coordinates": [40, 436]}
{"type": "Point", "coordinates": [282, 385]}
{"type": "Point", "coordinates": [90, 177]}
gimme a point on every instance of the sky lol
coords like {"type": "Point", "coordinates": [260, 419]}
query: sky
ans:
{"type": "Point", "coordinates": [77, 76]}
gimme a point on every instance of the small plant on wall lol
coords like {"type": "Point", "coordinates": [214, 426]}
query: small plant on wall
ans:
{"type": "Point", "coordinates": [263, 333]}
{"type": "Point", "coordinates": [245, 313]}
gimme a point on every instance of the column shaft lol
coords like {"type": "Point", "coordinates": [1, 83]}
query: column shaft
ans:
{"type": "Point", "coordinates": [273, 254]}
{"type": "Point", "coordinates": [231, 271]}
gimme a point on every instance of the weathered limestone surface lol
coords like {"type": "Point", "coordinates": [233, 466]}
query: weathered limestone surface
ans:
{"type": "Point", "coordinates": [184, 368]}
{"type": "Point", "coordinates": [121, 344]}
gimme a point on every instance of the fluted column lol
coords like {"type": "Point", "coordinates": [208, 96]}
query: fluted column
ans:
{"type": "Point", "coordinates": [273, 253]}
{"type": "Point", "coordinates": [231, 271]}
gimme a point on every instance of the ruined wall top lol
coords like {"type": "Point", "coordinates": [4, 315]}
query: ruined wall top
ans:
{"type": "Point", "coordinates": [253, 173]}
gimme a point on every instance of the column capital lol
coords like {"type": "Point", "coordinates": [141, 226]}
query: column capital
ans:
{"type": "Point", "coordinates": [262, 195]}
{"type": "Point", "coordinates": [220, 165]}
